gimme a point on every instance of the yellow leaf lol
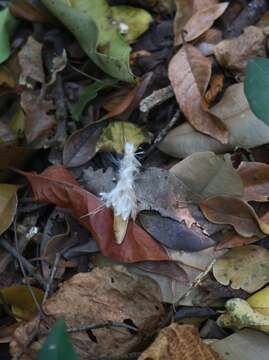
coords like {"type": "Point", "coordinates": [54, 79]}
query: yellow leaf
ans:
{"type": "Point", "coordinates": [117, 133]}
{"type": "Point", "coordinates": [8, 205]}
{"type": "Point", "coordinates": [21, 301]}
{"type": "Point", "coordinates": [260, 301]}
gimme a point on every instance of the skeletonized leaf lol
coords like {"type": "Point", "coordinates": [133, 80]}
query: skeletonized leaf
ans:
{"type": "Point", "coordinates": [189, 73]}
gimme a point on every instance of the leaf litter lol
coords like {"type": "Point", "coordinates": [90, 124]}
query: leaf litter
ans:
{"type": "Point", "coordinates": [149, 253]}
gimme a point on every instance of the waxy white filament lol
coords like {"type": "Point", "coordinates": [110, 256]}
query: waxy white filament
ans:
{"type": "Point", "coordinates": [122, 198]}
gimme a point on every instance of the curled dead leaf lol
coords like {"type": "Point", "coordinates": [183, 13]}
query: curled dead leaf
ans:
{"type": "Point", "coordinates": [189, 73]}
{"type": "Point", "coordinates": [201, 21]}
{"type": "Point", "coordinates": [233, 211]}
{"type": "Point", "coordinates": [179, 342]}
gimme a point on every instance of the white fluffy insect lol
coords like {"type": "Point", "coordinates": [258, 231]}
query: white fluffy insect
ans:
{"type": "Point", "coordinates": [122, 198]}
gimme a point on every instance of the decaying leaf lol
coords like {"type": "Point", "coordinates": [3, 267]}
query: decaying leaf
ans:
{"type": "Point", "coordinates": [185, 9]}
{"type": "Point", "coordinates": [38, 122]}
{"type": "Point", "coordinates": [117, 133]}
{"type": "Point", "coordinates": [189, 73]}
{"type": "Point", "coordinates": [201, 21]}
{"type": "Point", "coordinates": [179, 342]}
{"type": "Point", "coordinates": [21, 301]}
{"type": "Point", "coordinates": [245, 344]}
{"type": "Point", "coordinates": [173, 234]}
{"type": "Point", "coordinates": [245, 267]}
{"type": "Point", "coordinates": [255, 177]}
{"type": "Point", "coordinates": [8, 205]}
{"type": "Point", "coordinates": [245, 129]}
{"type": "Point", "coordinates": [30, 59]}
{"type": "Point", "coordinates": [56, 185]}
{"type": "Point", "coordinates": [80, 147]}
{"type": "Point", "coordinates": [108, 294]}
{"type": "Point", "coordinates": [215, 88]}
{"type": "Point", "coordinates": [207, 174]}
{"type": "Point", "coordinates": [236, 212]}
{"type": "Point", "coordinates": [240, 315]}
{"type": "Point", "coordinates": [233, 54]}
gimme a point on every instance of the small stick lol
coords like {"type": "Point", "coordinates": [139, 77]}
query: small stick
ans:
{"type": "Point", "coordinates": [52, 274]}
{"type": "Point", "coordinates": [24, 272]}
{"type": "Point", "coordinates": [131, 356]}
{"type": "Point", "coordinates": [162, 134]}
{"type": "Point", "coordinates": [156, 98]}
{"type": "Point", "coordinates": [27, 265]}
{"type": "Point", "coordinates": [107, 324]}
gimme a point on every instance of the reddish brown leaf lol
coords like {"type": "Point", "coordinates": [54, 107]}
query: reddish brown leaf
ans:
{"type": "Point", "coordinates": [56, 185]}
{"type": "Point", "coordinates": [231, 239]}
{"type": "Point", "coordinates": [26, 10]}
{"type": "Point", "coordinates": [80, 147]}
{"type": "Point", "coordinates": [233, 211]}
{"type": "Point", "coordinates": [131, 100]}
{"type": "Point", "coordinates": [255, 177]}
{"type": "Point", "coordinates": [38, 122]}
{"type": "Point", "coordinates": [189, 73]}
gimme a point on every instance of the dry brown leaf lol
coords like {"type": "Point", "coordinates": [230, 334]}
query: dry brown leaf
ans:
{"type": "Point", "coordinates": [215, 88]}
{"type": "Point", "coordinates": [236, 212]}
{"type": "Point", "coordinates": [233, 54]}
{"type": "Point", "coordinates": [108, 294]}
{"type": "Point", "coordinates": [179, 342]}
{"type": "Point", "coordinates": [189, 73]}
{"type": "Point", "coordinates": [30, 59]}
{"type": "Point", "coordinates": [208, 174]}
{"type": "Point", "coordinates": [255, 177]}
{"type": "Point", "coordinates": [231, 239]}
{"type": "Point", "coordinates": [245, 129]}
{"type": "Point", "coordinates": [201, 21]}
{"type": "Point", "coordinates": [37, 122]}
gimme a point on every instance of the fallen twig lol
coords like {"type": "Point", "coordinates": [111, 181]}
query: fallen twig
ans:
{"type": "Point", "coordinates": [162, 134]}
